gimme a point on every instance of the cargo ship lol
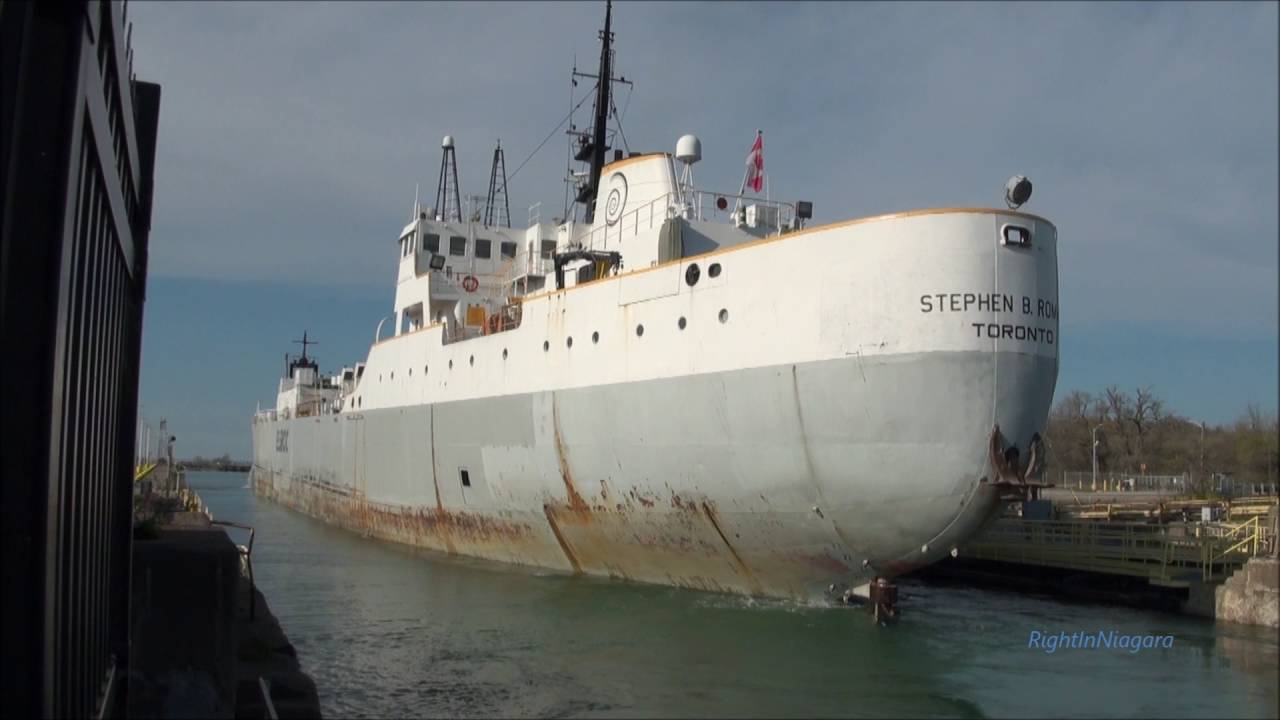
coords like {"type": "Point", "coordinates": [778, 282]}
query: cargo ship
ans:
{"type": "Point", "coordinates": [679, 386]}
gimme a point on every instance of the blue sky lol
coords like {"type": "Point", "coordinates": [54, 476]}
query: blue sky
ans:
{"type": "Point", "coordinates": [291, 137]}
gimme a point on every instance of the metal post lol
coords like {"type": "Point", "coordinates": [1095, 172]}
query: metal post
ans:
{"type": "Point", "coordinates": [1202, 451]}
{"type": "Point", "coordinates": [1094, 435]}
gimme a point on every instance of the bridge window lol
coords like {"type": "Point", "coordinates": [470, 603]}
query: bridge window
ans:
{"type": "Point", "coordinates": [483, 248]}
{"type": "Point", "coordinates": [431, 242]}
{"type": "Point", "coordinates": [548, 247]}
{"type": "Point", "coordinates": [457, 245]}
{"type": "Point", "coordinates": [508, 250]}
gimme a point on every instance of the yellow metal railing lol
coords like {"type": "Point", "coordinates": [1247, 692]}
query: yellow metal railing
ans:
{"type": "Point", "coordinates": [1250, 535]}
{"type": "Point", "coordinates": [143, 470]}
{"type": "Point", "coordinates": [1164, 554]}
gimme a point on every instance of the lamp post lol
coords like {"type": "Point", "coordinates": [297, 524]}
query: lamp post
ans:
{"type": "Point", "coordinates": [1202, 482]}
{"type": "Point", "coordinates": [1094, 435]}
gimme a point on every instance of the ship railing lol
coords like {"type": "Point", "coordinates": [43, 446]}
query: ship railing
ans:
{"type": "Point", "coordinates": [643, 218]}
{"type": "Point", "coordinates": [526, 264]}
{"type": "Point", "coordinates": [773, 216]}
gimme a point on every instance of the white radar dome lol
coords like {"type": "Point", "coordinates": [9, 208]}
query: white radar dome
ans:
{"type": "Point", "coordinates": [689, 149]}
{"type": "Point", "coordinates": [447, 142]}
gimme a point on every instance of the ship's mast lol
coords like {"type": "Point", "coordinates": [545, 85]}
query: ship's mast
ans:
{"type": "Point", "coordinates": [495, 213]}
{"type": "Point", "coordinates": [304, 342]}
{"type": "Point", "coordinates": [603, 83]}
{"type": "Point", "coordinates": [448, 201]}
{"type": "Point", "coordinates": [303, 362]}
{"type": "Point", "coordinates": [592, 146]}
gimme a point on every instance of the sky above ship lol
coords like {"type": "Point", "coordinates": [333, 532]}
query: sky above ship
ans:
{"type": "Point", "coordinates": [292, 136]}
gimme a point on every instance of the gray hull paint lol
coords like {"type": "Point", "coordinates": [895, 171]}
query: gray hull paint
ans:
{"type": "Point", "coordinates": [768, 481]}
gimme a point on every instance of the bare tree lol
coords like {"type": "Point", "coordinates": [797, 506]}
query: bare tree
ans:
{"type": "Point", "coordinates": [1146, 411]}
{"type": "Point", "coordinates": [1119, 412]}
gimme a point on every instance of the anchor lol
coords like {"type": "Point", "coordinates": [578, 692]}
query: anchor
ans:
{"type": "Point", "coordinates": [1015, 479]}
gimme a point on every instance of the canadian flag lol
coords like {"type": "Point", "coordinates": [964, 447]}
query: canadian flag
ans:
{"type": "Point", "coordinates": [755, 164]}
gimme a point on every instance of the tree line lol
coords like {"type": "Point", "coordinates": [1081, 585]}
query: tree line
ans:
{"type": "Point", "coordinates": [1137, 430]}
{"type": "Point", "coordinates": [223, 462]}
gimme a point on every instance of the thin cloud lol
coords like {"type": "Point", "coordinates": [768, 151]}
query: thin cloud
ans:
{"type": "Point", "coordinates": [292, 134]}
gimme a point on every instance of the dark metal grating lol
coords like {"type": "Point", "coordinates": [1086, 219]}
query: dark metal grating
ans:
{"type": "Point", "coordinates": [78, 138]}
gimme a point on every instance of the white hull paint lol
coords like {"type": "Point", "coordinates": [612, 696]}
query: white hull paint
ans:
{"type": "Point", "coordinates": [832, 428]}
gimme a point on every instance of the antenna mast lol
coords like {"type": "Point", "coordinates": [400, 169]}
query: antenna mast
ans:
{"type": "Point", "coordinates": [495, 214]}
{"type": "Point", "coordinates": [448, 200]}
{"type": "Point", "coordinates": [304, 342]}
{"type": "Point", "coordinates": [595, 148]}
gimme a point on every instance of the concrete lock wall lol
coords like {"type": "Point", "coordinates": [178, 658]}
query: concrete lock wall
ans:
{"type": "Point", "coordinates": [1251, 595]}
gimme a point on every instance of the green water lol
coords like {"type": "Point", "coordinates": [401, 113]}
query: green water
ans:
{"type": "Point", "coordinates": [387, 631]}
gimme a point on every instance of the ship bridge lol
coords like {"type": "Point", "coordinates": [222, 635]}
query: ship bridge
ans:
{"type": "Point", "coordinates": [471, 277]}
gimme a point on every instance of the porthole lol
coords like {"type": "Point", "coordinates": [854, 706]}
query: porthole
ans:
{"type": "Point", "coordinates": [379, 377]}
{"type": "Point", "coordinates": [639, 330]}
{"type": "Point", "coordinates": [692, 274]}
{"type": "Point", "coordinates": [714, 270]}
{"type": "Point", "coordinates": [410, 372]}
{"type": "Point", "coordinates": [546, 345]}
{"type": "Point", "coordinates": [425, 368]}
{"type": "Point", "coordinates": [393, 374]}
{"type": "Point", "coordinates": [568, 342]}
{"type": "Point", "coordinates": [504, 353]}
{"type": "Point", "coordinates": [681, 323]}
{"type": "Point", "coordinates": [450, 364]}
{"type": "Point", "coordinates": [595, 338]}
{"type": "Point", "coordinates": [473, 361]}
{"type": "Point", "coordinates": [724, 315]}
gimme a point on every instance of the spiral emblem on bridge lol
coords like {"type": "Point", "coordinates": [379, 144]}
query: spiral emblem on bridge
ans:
{"type": "Point", "coordinates": [617, 198]}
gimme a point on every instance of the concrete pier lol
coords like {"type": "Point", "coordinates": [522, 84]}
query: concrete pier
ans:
{"type": "Point", "coordinates": [198, 649]}
{"type": "Point", "coordinates": [1251, 595]}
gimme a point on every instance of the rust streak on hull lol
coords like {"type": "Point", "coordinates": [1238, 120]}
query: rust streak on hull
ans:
{"type": "Point", "coordinates": [576, 503]}
{"type": "Point", "coordinates": [435, 480]}
{"type": "Point", "coordinates": [432, 528]}
{"type": "Point", "coordinates": [568, 552]}
{"type": "Point", "coordinates": [742, 566]}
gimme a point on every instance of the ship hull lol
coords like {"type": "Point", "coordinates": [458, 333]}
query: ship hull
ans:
{"type": "Point", "coordinates": [824, 416]}
{"type": "Point", "coordinates": [774, 481]}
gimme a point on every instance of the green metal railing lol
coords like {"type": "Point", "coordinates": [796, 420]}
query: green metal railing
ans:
{"type": "Point", "coordinates": [1174, 554]}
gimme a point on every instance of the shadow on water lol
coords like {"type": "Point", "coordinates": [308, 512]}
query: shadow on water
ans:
{"type": "Point", "coordinates": [391, 631]}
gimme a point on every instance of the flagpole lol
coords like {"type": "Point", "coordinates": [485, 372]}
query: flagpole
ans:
{"type": "Point", "coordinates": [747, 173]}
{"type": "Point", "coordinates": [741, 191]}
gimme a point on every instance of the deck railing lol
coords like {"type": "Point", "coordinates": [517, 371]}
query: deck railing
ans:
{"type": "Point", "coordinates": [692, 205]}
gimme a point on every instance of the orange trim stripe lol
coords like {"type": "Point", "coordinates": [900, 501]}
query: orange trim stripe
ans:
{"type": "Point", "coordinates": [627, 161]}
{"type": "Point", "coordinates": [765, 241]}
{"type": "Point", "coordinates": [806, 231]}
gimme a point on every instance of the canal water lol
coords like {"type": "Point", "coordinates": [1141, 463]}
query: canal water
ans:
{"type": "Point", "coordinates": [387, 631]}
